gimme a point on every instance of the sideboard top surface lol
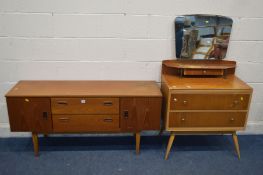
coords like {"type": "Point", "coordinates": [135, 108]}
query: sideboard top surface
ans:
{"type": "Point", "coordinates": [61, 88]}
{"type": "Point", "coordinates": [231, 82]}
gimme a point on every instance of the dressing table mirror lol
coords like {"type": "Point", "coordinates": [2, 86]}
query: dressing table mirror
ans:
{"type": "Point", "coordinates": [201, 93]}
{"type": "Point", "coordinates": [201, 45]}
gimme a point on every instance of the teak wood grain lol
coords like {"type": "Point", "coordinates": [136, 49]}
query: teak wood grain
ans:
{"type": "Point", "coordinates": [85, 89]}
{"type": "Point", "coordinates": [85, 105]}
{"type": "Point", "coordinates": [86, 123]}
{"type": "Point", "coordinates": [30, 114]}
{"type": "Point", "coordinates": [140, 114]}
{"type": "Point", "coordinates": [48, 107]}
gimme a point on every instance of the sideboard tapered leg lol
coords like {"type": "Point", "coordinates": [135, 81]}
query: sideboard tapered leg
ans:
{"type": "Point", "coordinates": [236, 144]}
{"type": "Point", "coordinates": [138, 140]}
{"type": "Point", "coordinates": [169, 146]}
{"type": "Point", "coordinates": [35, 143]}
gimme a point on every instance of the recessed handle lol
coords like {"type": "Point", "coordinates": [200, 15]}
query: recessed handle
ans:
{"type": "Point", "coordinates": [107, 103]}
{"type": "Point", "coordinates": [126, 114]}
{"type": "Point", "coordinates": [45, 115]}
{"type": "Point", "coordinates": [107, 120]}
{"type": "Point", "coordinates": [62, 102]}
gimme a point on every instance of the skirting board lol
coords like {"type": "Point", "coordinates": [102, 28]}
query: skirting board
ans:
{"type": "Point", "coordinates": [252, 128]}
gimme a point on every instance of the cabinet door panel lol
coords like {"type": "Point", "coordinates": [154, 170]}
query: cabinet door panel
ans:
{"type": "Point", "coordinates": [140, 114]}
{"type": "Point", "coordinates": [30, 114]}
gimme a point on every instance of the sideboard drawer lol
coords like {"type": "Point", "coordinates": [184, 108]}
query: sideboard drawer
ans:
{"type": "Point", "coordinates": [209, 101]}
{"type": "Point", "coordinates": [85, 105]}
{"type": "Point", "coordinates": [85, 123]}
{"type": "Point", "coordinates": [207, 119]}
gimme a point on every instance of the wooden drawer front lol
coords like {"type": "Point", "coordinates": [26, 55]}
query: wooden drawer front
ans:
{"type": "Point", "coordinates": [203, 72]}
{"type": "Point", "coordinates": [85, 123]}
{"type": "Point", "coordinates": [85, 105]}
{"type": "Point", "coordinates": [209, 102]}
{"type": "Point", "coordinates": [207, 119]}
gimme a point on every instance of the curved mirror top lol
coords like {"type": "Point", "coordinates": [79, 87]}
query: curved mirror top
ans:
{"type": "Point", "coordinates": [202, 36]}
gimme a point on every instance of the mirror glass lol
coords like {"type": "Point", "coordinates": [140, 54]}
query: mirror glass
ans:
{"type": "Point", "coordinates": [202, 36]}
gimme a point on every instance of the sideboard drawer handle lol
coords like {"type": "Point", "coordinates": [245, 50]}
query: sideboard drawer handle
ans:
{"type": "Point", "coordinates": [185, 102]}
{"type": "Point", "coordinates": [175, 100]}
{"type": "Point", "coordinates": [107, 120]}
{"type": "Point", "coordinates": [183, 119]}
{"type": "Point", "coordinates": [64, 119]}
{"type": "Point", "coordinates": [232, 119]}
{"type": "Point", "coordinates": [62, 102]}
{"type": "Point", "coordinates": [107, 103]}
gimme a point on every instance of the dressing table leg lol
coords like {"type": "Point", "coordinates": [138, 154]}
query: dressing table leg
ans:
{"type": "Point", "coordinates": [169, 146]}
{"type": "Point", "coordinates": [236, 144]}
{"type": "Point", "coordinates": [35, 143]}
{"type": "Point", "coordinates": [138, 140]}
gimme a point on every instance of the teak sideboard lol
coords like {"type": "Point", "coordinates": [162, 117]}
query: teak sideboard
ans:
{"type": "Point", "coordinates": [203, 104]}
{"type": "Point", "coordinates": [45, 107]}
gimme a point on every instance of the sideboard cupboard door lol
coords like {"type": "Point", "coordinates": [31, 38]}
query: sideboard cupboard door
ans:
{"type": "Point", "coordinates": [140, 113]}
{"type": "Point", "coordinates": [29, 114]}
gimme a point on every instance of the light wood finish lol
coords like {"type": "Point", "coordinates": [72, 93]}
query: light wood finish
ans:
{"type": "Point", "coordinates": [85, 89]}
{"type": "Point", "coordinates": [170, 144]}
{"type": "Point", "coordinates": [46, 107]}
{"type": "Point", "coordinates": [200, 67]}
{"type": "Point", "coordinates": [35, 144]}
{"type": "Point", "coordinates": [138, 141]}
{"type": "Point", "coordinates": [204, 105]}
{"type": "Point", "coordinates": [213, 84]}
{"type": "Point", "coordinates": [217, 72]}
{"type": "Point", "coordinates": [209, 101]}
{"type": "Point", "coordinates": [86, 123]}
{"type": "Point", "coordinates": [234, 135]}
{"type": "Point", "coordinates": [85, 105]}
{"type": "Point", "coordinates": [206, 119]}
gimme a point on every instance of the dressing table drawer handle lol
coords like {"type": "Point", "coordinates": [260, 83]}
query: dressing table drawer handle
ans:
{"type": "Point", "coordinates": [232, 119]}
{"type": "Point", "coordinates": [182, 119]}
{"type": "Point", "coordinates": [175, 100]}
{"type": "Point", "coordinates": [204, 71]}
{"type": "Point", "coordinates": [185, 102]}
{"type": "Point", "coordinates": [63, 119]}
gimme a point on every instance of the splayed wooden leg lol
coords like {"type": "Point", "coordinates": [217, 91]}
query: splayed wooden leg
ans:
{"type": "Point", "coordinates": [236, 144]}
{"type": "Point", "coordinates": [35, 144]}
{"type": "Point", "coordinates": [169, 146]}
{"type": "Point", "coordinates": [138, 140]}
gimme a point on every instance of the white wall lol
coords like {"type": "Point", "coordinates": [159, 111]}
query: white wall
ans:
{"type": "Point", "coordinates": [117, 39]}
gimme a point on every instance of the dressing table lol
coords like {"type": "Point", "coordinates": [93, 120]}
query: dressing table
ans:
{"type": "Point", "coordinates": [201, 93]}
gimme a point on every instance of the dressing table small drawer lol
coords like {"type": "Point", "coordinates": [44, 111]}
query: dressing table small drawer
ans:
{"type": "Point", "coordinates": [207, 119]}
{"type": "Point", "coordinates": [215, 72]}
{"type": "Point", "coordinates": [85, 105]}
{"type": "Point", "coordinates": [85, 123]}
{"type": "Point", "coordinates": [209, 101]}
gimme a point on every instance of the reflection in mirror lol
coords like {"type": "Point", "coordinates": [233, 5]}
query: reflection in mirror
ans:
{"type": "Point", "coordinates": [202, 36]}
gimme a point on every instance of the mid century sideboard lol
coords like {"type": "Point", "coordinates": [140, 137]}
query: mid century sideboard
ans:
{"type": "Point", "coordinates": [45, 107]}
